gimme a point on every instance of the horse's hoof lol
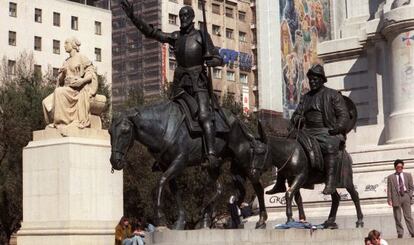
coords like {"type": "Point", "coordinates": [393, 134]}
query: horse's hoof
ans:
{"type": "Point", "coordinates": [260, 225]}
{"type": "Point", "coordinates": [331, 226]}
{"type": "Point", "coordinates": [161, 228]}
{"type": "Point", "coordinates": [290, 220]}
{"type": "Point", "coordinates": [359, 224]}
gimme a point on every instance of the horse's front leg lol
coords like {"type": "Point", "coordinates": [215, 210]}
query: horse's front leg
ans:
{"type": "Point", "coordinates": [299, 202]}
{"type": "Point", "coordinates": [296, 184]}
{"type": "Point", "coordinates": [180, 223]}
{"type": "Point", "coordinates": [330, 222]}
{"type": "Point", "coordinates": [173, 170]}
{"type": "Point", "coordinates": [207, 211]}
{"type": "Point", "coordinates": [258, 189]}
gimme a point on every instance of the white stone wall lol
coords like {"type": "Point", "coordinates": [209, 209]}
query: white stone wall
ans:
{"type": "Point", "coordinates": [269, 55]}
{"type": "Point", "coordinates": [26, 28]}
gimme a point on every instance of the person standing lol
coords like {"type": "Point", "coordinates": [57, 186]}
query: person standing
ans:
{"type": "Point", "coordinates": [399, 195]}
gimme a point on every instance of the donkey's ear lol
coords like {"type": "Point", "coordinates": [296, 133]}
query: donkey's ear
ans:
{"type": "Point", "coordinates": [261, 132]}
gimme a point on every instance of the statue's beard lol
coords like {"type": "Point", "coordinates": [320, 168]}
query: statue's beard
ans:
{"type": "Point", "coordinates": [185, 27]}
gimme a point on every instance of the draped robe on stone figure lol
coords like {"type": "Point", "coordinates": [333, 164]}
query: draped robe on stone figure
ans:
{"type": "Point", "coordinates": [69, 105]}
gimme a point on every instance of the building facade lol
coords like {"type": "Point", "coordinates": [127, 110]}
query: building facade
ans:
{"type": "Point", "coordinates": [42, 26]}
{"type": "Point", "coordinates": [149, 65]}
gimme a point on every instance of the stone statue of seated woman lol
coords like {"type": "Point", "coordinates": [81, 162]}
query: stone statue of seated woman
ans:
{"type": "Point", "coordinates": [74, 101]}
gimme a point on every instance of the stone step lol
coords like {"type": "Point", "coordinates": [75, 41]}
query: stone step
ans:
{"type": "Point", "coordinates": [259, 237]}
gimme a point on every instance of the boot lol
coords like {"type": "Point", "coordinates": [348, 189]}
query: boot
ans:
{"type": "Point", "coordinates": [279, 187]}
{"type": "Point", "coordinates": [330, 161]}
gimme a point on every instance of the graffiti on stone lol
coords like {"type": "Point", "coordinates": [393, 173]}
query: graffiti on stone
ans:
{"type": "Point", "coordinates": [371, 187]}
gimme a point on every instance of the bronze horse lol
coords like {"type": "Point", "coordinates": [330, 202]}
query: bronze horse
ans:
{"type": "Point", "coordinates": [292, 163]}
{"type": "Point", "coordinates": [162, 129]}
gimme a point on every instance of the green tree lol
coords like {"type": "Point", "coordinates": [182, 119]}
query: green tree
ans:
{"type": "Point", "coordinates": [20, 114]}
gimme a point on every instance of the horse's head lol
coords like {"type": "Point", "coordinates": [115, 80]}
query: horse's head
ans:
{"type": "Point", "coordinates": [121, 132]}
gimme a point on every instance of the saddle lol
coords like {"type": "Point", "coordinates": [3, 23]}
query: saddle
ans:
{"type": "Point", "coordinates": [343, 168]}
{"type": "Point", "coordinates": [311, 147]}
{"type": "Point", "coordinates": [189, 108]}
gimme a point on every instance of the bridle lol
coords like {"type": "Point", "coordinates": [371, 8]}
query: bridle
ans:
{"type": "Point", "coordinates": [122, 152]}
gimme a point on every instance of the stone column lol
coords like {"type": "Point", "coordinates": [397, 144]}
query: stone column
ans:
{"type": "Point", "coordinates": [69, 194]}
{"type": "Point", "coordinates": [398, 28]}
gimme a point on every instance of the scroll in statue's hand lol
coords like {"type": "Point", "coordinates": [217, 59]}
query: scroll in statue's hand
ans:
{"type": "Point", "coordinates": [128, 8]}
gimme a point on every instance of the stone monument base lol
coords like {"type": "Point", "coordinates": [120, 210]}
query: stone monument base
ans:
{"type": "Point", "coordinates": [266, 237]}
{"type": "Point", "coordinates": [259, 237]}
{"type": "Point", "coordinates": [69, 194]}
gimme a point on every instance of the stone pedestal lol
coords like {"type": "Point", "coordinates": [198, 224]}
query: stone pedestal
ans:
{"type": "Point", "coordinates": [259, 237]}
{"type": "Point", "coordinates": [399, 31]}
{"type": "Point", "coordinates": [69, 194]}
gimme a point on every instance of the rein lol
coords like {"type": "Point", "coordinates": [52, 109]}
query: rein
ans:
{"type": "Point", "coordinates": [293, 151]}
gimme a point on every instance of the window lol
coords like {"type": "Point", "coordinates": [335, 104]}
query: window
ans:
{"type": "Point", "coordinates": [11, 67]}
{"type": "Point", "coordinates": [98, 28]}
{"type": "Point", "coordinates": [37, 43]}
{"type": "Point", "coordinates": [56, 19]}
{"type": "Point", "coordinates": [12, 38]}
{"type": "Point", "coordinates": [229, 33]}
{"type": "Point", "coordinates": [172, 65]}
{"type": "Point", "coordinates": [38, 15]}
{"type": "Point", "coordinates": [215, 8]}
{"type": "Point", "coordinates": [98, 54]}
{"type": "Point", "coordinates": [243, 78]}
{"type": "Point", "coordinates": [200, 4]}
{"type": "Point", "coordinates": [74, 23]}
{"type": "Point", "coordinates": [230, 76]}
{"type": "Point", "coordinates": [242, 36]}
{"type": "Point", "coordinates": [55, 72]}
{"type": "Point", "coordinates": [216, 30]}
{"type": "Point", "coordinates": [242, 16]}
{"type": "Point", "coordinates": [38, 70]}
{"type": "Point", "coordinates": [187, 2]}
{"type": "Point", "coordinates": [229, 12]}
{"type": "Point", "coordinates": [12, 9]}
{"type": "Point", "coordinates": [56, 46]}
{"type": "Point", "coordinates": [216, 73]}
{"type": "Point", "coordinates": [172, 19]}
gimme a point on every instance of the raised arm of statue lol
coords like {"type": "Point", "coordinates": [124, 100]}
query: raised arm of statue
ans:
{"type": "Point", "coordinates": [147, 29]}
{"type": "Point", "coordinates": [212, 57]}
